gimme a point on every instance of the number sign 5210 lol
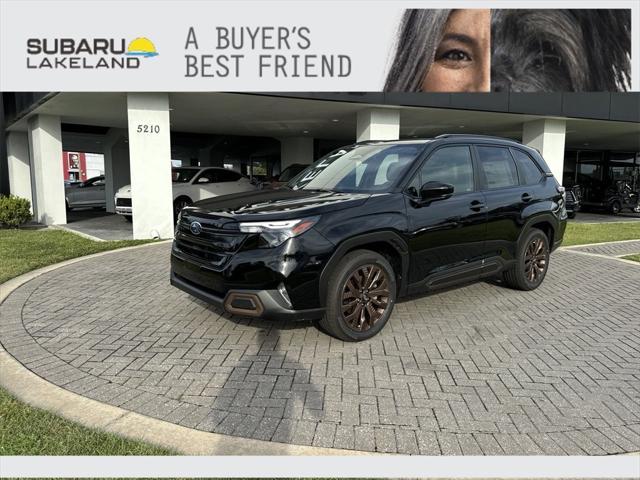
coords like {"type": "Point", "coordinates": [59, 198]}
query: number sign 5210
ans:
{"type": "Point", "coordinates": [148, 128]}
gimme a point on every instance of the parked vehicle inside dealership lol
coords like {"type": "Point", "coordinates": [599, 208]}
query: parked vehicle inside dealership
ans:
{"type": "Point", "coordinates": [89, 193]}
{"type": "Point", "coordinates": [573, 198]}
{"type": "Point", "coordinates": [369, 224]}
{"type": "Point", "coordinates": [191, 184]}
{"type": "Point", "coordinates": [285, 176]}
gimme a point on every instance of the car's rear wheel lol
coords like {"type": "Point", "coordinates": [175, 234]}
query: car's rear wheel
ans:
{"type": "Point", "coordinates": [361, 293]}
{"type": "Point", "coordinates": [532, 263]}
{"type": "Point", "coordinates": [128, 218]}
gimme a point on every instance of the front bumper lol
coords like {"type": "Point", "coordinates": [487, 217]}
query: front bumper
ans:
{"type": "Point", "coordinates": [266, 304]}
{"type": "Point", "coordinates": [124, 210]}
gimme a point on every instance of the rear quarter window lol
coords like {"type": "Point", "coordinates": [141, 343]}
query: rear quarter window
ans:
{"type": "Point", "coordinates": [528, 169]}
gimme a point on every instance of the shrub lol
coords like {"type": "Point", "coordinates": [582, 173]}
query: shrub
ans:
{"type": "Point", "coordinates": [14, 211]}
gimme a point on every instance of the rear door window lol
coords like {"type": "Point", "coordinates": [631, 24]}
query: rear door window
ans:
{"type": "Point", "coordinates": [497, 167]}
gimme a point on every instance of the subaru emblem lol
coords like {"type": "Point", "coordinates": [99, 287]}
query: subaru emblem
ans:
{"type": "Point", "coordinates": [195, 228]}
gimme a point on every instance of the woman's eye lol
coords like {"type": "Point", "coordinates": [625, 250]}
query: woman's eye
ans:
{"type": "Point", "coordinates": [455, 56]}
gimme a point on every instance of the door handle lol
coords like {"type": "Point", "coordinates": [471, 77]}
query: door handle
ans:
{"type": "Point", "coordinates": [476, 205]}
{"type": "Point", "coordinates": [526, 197]}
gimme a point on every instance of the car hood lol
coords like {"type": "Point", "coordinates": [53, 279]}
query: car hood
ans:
{"type": "Point", "coordinates": [124, 192]}
{"type": "Point", "coordinates": [281, 203]}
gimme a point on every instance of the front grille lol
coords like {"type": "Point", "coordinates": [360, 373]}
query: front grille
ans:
{"type": "Point", "coordinates": [213, 244]}
{"type": "Point", "coordinates": [200, 251]}
{"type": "Point", "coordinates": [123, 202]}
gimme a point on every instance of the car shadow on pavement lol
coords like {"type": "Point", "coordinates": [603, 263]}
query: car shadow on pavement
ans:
{"type": "Point", "coordinates": [266, 389]}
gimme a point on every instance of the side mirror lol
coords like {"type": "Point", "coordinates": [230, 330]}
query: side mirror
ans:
{"type": "Point", "coordinates": [435, 191]}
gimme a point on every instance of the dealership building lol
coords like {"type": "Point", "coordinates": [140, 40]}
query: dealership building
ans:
{"type": "Point", "coordinates": [585, 138]}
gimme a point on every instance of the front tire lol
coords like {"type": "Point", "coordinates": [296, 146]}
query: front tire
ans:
{"type": "Point", "coordinates": [361, 293]}
{"type": "Point", "coordinates": [532, 263]}
{"type": "Point", "coordinates": [178, 205]}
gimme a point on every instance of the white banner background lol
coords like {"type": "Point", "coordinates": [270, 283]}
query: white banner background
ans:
{"type": "Point", "coordinates": [364, 30]}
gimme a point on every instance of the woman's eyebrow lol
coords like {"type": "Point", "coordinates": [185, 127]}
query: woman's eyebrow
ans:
{"type": "Point", "coordinates": [460, 37]}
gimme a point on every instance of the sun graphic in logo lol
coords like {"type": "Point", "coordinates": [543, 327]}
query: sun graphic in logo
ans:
{"type": "Point", "coordinates": [142, 47]}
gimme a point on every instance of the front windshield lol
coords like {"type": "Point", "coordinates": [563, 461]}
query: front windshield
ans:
{"type": "Point", "coordinates": [364, 168]}
{"type": "Point", "coordinates": [182, 175]}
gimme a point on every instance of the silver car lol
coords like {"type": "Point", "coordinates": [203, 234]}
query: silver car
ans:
{"type": "Point", "coordinates": [89, 193]}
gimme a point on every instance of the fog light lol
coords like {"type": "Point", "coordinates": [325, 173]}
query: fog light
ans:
{"type": "Point", "coordinates": [283, 292]}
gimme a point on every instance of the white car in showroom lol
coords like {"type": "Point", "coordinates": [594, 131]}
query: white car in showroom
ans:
{"type": "Point", "coordinates": [191, 184]}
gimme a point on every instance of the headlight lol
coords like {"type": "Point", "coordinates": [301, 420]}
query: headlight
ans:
{"type": "Point", "coordinates": [277, 232]}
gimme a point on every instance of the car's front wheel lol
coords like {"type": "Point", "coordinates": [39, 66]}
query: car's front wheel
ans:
{"type": "Point", "coordinates": [361, 293]}
{"type": "Point", "coordinates": [178, 205]}
{"type": "Point", "coordinates": [532, 262]}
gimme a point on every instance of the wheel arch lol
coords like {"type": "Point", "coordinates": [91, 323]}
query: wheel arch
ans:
{"type": "Point", "coordinates": [183, 196]}
{"type": "Point", "coordinates": [388, 243]}
{"type": "Point", "coordinates": [544, 222]}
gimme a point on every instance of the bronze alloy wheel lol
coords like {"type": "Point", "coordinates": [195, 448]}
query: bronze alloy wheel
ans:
{"type": "Point", "coordinates": [365, 297]}
{"type": "Point", "coordinates": [535, 260]}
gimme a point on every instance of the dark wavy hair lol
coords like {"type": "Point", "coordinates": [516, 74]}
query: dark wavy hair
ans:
{"type": "Point", "coordinates": [560, 50]}
{"type": "Point", "coordinates": [418, 38]}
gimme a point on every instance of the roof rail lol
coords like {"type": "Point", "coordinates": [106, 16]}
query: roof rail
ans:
{"type": "Point", "coordinates": [447, 135]}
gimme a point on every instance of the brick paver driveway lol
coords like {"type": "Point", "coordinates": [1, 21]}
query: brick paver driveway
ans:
{"type": "Point", "coordinates": [478, 370]}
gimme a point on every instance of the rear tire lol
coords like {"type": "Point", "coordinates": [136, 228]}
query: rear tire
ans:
{"type": "Point", "coordinates": [532, 262]}
{"type": "Point", "coordinates": [128, 218]}
{"type": "Point", "coordinates": [361, 293]}
{"type": "Point", "coordinates": [571, 215]}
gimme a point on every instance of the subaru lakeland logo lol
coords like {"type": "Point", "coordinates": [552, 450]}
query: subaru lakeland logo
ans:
{"type": "Point", "coordinates": [195, 228]}
{"type": "Point", "coordinates": [88, 53]}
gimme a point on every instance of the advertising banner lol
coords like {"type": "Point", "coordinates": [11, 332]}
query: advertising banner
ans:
{"type": "Point", "coordinates": [317, 46]}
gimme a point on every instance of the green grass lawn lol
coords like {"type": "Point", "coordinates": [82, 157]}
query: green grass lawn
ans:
{"type": "Point", "coordinates": [25, 430]}
{"type": "Point", "coordinates": [581, 233]}
{"type": "Point", "coordinates": [25, 250]}
{"type": "Point", "coordinates": [635, 258]}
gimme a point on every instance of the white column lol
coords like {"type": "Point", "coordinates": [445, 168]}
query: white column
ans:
{"type": "Point", "coordinates": [47, 177]}
{"type": "Point", "coordinates": [378, 124]}
{"type": "Point", "coordinates": [547, 135]}
{"type": "Point", "coordinates": [116, 164]}
{"type": "Point", "coordinates": [295, 150]}
{"type": "Point", "coordinates": [19, 166]}
{"type": "Point", "coordinates": [150, 163]}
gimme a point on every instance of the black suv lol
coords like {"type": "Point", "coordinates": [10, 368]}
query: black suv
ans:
{"type": "Point", "coordinates": [370, 223]}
